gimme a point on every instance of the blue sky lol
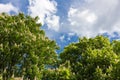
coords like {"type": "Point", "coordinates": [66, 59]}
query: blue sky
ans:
{"type": "Point", "coordinates": [66, 20]}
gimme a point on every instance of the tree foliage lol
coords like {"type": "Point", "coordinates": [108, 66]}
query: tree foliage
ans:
{"type": "Point", "coordinates": [25, 52]}
{"type": "Point", "coordinates": [93, 58]}
{"type": "Point", "coordinates": [24, 48]}
{"type": "Point", "coordinates": [63, 72]}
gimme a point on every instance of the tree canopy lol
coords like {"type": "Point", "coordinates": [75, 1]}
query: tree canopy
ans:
{"type": "Point", "coordinates": [24, 48]}
{"type": "Point", "coordinates": [26, 52]}
{"type": "Point", "coordinates": [93, 58]}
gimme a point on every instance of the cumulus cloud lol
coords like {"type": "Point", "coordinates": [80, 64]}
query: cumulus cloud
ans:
{"type": "Point", "coordinates": [8, 8]}
{"type": "Point", "coordinates": [94, 17]}
{"type": "Point", "coordinates": [53, 22]}
{"type": "Point", "coordinates": [84, 15]}
{"type": "Point", "coordinates": [46, 11]}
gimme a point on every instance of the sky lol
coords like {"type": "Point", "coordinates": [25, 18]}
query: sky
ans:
{"type": "Point", "coordinates": [67, 20]}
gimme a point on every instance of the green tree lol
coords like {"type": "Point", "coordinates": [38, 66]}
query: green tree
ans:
{"type": "Point", "coordinates": [116, 68]}
{"type": "Point", "coordinates": [62, 72]}
{"type": "Point", "coordinates": [24, 48]}
{"type": "Point", "coordinates": [91, 59]}
{"type": "Point", "coordinates": [116, 46]}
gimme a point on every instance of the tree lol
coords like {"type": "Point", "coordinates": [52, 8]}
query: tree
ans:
{"type": "Point", "coordinates": [24, 48]}
{"type": "Point", "coordinates": [62, 72]}
{"type": "Point", "coordinates": [25, 52]}
{"type": "Point", "coordinates": [116, 46]}
{"type": "Point", "coordinates": [91, 59]}
{"type": "Point", "coordinates": [116, 68]}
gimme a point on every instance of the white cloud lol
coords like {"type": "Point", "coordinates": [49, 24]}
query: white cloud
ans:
{"type": "Point", "coordinates": [81, 21]}
{"type": "Point", "coordinates": [75, 16]}
{"type": "Point", "coordinates": [62, 38]}
{"type": "Point", "coordinates": [45, 10]}
{"type": "Point", "coordinates": [8, 8]}
{"type": "Point", "coordinates": [53, 22]}
{"type": "Point", "coordinates": [71, 34]}
{"type": "Point", "coordinates": [94, 17]}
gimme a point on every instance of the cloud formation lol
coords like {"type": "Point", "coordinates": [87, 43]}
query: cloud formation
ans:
{"type": "Point", "coordinates": [46, 11]}
{"type": "Point", "coordinates": [94, 17]}
{"type": "Point", "coordinates": [7, 8]}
